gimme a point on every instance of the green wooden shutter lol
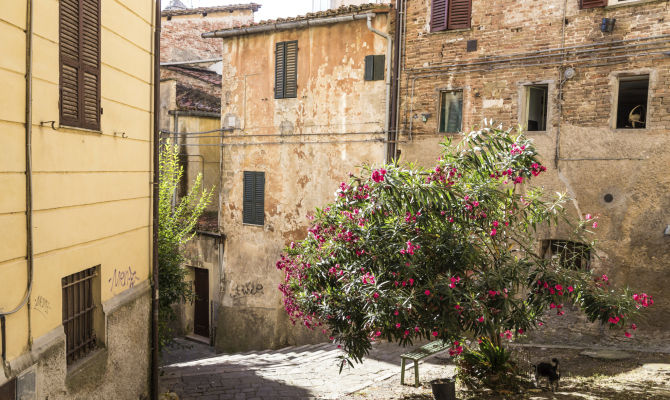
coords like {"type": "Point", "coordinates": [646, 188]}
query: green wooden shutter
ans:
{"type": "Point", "coordinates": [280, 68]}
{"type": "Point", "coordinates": [291, 71]}
{"type": "Point", "coordinates": [379, 66]}
{"type": "Point", "coordinates": [259, 198]}
{"type": "Point", "coordinates": [369, 68]}
{"type": "Point", "coordinates": [248, 198]}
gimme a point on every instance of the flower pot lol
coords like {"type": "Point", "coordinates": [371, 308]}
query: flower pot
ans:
{"type": "Point", "coordinates": [444, 389]}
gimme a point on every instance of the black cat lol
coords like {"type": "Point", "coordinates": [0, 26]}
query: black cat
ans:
{"type": "Point", "coordinates": [549, 372]}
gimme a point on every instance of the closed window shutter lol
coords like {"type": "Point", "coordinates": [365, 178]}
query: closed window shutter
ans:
{"type": "Point", "coordinates": [438, 15]}
{"type": "Point", "coordinates": [593, 3]}
{"type": "Point", "coordinates": [69, 62]}
{"type": "Point", "coordinates": [90, 63]}
{"type": "Point", "coordinates": [291, 77]}
{"type": "Point", "coordinates": [369, 68]}
{"type": "Point", "coordinates": [379, 65]}
{"type": "Point", "coordinates": [280, 68]}
{"type": "Point", "coordinates": [79, 45]}
{"type": "Point", "coordinates": [459, 14]}
{"type": "Point", "coordinates": [248, 200]}
{"type": "Point", "coordinates": [259, 198]}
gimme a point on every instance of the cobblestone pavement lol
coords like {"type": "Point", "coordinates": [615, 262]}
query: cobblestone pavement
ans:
{"type": "Point", "coordinates": [304, 372]}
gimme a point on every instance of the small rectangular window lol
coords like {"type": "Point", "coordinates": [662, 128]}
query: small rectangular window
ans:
{"type": "Point", "coordinates": [79, 314]}
{"type": "Point", "coordinates": [592, 3]}
{"type": "Point", "coordinates": [451, 111]}
{"type": "Point", "coordinates": [571, 255]}
{"type": "Point", "coordinates": [253, 212]}
{"type": "Point", "coordinates": [286, 70]}
{"type": "Point", "coordinates": [632, 102]}
{"type": "Point", "coordinates": [536, 107]}
{"type": "Point", "coordinates": [374, 67]}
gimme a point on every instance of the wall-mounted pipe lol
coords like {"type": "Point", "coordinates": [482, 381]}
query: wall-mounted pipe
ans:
{"type": "Point", "coordinates": [155, 205]}
{"type": "Point", "coordinates": [389, 56]}
{"type": "Point", "coordinates": [29, 183]}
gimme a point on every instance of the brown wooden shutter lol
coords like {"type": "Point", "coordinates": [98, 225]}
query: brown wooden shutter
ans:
{"type": "Point", "coordinates": [459, 14]}
{"type": "Point", "coordinates": [79, 45]}
{"type": "Point", "coordinates": [291, 82]}
{"type": "Point", "coordinates": [280, 68]}
{"type": "Point", "coordinates": [438, 15]}
{"type": "Point", "coordinates": [592, 3]}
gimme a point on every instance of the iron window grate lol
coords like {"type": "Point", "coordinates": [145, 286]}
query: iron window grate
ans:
{"type": "Point", "coordinates": [78, 314]}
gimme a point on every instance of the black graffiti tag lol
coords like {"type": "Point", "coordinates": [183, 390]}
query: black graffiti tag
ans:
{"type": "Point", "coordinates": [247, 289]}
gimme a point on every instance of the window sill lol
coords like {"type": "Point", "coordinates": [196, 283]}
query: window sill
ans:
{"type": "Point", "coordinates": [78, 129]}
{"type": "Point", "coordinates": [621, 130]}
{"type": "Point", "coordinates": [253, 225]}
{"type": "Point", "coordinates": [465, 29]}
{"type": "Point", "coordinates": [632, 3]}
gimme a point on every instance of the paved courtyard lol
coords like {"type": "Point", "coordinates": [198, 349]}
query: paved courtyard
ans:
{"type": "Point", "coordinates": [193, 371]}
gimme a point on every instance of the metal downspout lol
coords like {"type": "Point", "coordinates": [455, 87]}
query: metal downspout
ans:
{"type": "Point", "coordinates": [395, 89]}
{"type": "Point", "coordinates": [29, 189]}
{"type": "Point", "coordinates": [389, 56]}
{"type": "Point", "coordinates": [155, 205]}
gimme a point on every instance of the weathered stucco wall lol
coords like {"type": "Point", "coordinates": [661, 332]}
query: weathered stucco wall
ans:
{"type": "Point", "coordinates": [301, 171]}
{"type": "Point", "coordinates": [91, 189]}
{"type": "Point", "coordinates": [595, 159]}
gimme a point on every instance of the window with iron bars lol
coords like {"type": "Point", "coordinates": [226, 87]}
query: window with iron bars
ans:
{"type": "Point", "coordinates": [571, 255]}
{"type": "Point", "coordinates": [79, 314]}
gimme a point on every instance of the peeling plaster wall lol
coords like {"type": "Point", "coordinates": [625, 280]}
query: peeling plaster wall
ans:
{"type": "Point", "coordinates": [301, 172]}
{"type": "Point", "coordinates": [595, 158]}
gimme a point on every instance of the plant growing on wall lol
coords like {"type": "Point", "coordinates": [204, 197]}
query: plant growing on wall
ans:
{"type": "Point", "coordinates": [450, 253]}
{"type": "Point", "coordinates": [176, 226]}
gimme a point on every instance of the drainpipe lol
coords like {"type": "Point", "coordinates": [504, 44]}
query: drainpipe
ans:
{"type": "Point", "coordinates": [395, 90]}
{"type": "Point", "coordinates": [29, 188]}
{"type": "Point", "coordinates": [155, 181]}
{"type": "Point", "coordinates": [389, 56]}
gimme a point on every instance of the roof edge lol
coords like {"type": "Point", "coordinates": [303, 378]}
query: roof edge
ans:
{"type": "Point", "coordinates": [200, 10]}
{"type": "Point", "coordinates": [297, 23]}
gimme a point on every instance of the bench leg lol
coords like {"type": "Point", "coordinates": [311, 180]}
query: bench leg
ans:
{"type": "Point", "coordinates": [416, 373]}
{"type": "Point", "coordinates": [402, 371]}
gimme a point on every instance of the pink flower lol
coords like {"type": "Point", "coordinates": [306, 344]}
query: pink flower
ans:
{"type": "Point", "coordinates": [633, 326]}
{"type": "Point", "coordinates": [493, 232]}
{"type": "Point", "coordinates": [613, 320]}
{"type": "Point", "coordinates": [588, 217]}
{"type": "Point", "coordinates": [376, 295]}
{"type": "Point", "coordinates": [595, 225]}
{"type": "Point", "coordinates": [416, 329]}
{"type": "Point", "coordinates": [435, 333]}
{"type": "Point", "coordinates": [520, 331]}
{"type": "Point", "coordinates": [558, 287]}
{"type": "Point", "coordinates": [605, 278]}
{"type": "Point", "coordinates": [411, 281]}
{"type": "Point", "coordinates": [378, 334]}
{"type": "Point", "coordinates": [427, 292]}
{"type": "Point", "coordinates": [552, 305]}
{"type": "Point", "coordinates": [397, 325]}
{"type": "Point", "coordinates": [406, 333]}
{"type": "Point", "coordinates": [570, 289]}
{"type": "Point", "coordinates": [495, 224]}
{"type": "Point", "coordinates": [540, 323]}
{"type": "Point", "coordinates": [627, 334]}
{"type": "Point", "coordinates": [480, 319]}
{"type": "Point", "coordinates": [395, 312]}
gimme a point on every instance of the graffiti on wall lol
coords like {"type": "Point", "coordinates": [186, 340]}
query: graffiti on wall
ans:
{"type": "Point", "coordinates": [246, 289]}
{"type": "Point", "coordinates": [123, 278]}
{"type": "Point", "coordinates": [42, 305]}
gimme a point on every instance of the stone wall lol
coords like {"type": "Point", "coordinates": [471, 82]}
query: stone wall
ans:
{"type": "Point", "coordinates": [305, 146]}
{"type": "Point", "coordinates": [585, 154]}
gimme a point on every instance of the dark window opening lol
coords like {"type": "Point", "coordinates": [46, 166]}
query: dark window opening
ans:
{"type": "Point", "coordinates": [254, 198]}
{"type": "Point", "coordinates": [536, 107]}
{"type": "Point", "coordinates": [374, 67]}
{"type": "Point", "coordinates": [632, 102]}
{"type": "Point", "coordinates": [451, 111]}
{"type": "Point", "coordinates": [78, 314]}
{"type": "Point", "coordinates": [286, 70]}
{"type": "Point", "coordinates": [592, 3]}
{"type": "Point", "coordinates": [571, 255]}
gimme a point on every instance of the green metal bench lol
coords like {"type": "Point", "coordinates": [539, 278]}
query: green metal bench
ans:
{"type": "Point", "coordinates": [419, 354]}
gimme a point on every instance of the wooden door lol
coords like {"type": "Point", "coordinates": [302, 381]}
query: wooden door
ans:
{"type": "Point", "coordinates": [201, 317]}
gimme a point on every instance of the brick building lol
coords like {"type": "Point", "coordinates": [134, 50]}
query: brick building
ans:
{"type": "Point", "coordinates": [590, 82]}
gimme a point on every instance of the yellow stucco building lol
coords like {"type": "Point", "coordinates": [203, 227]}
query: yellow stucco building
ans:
{"type": "Point", "coordinates": [76, 213]}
